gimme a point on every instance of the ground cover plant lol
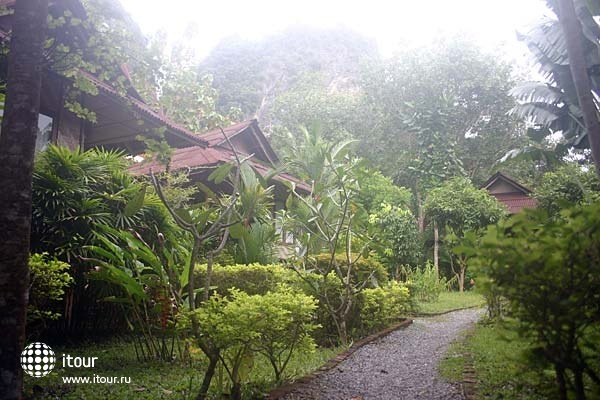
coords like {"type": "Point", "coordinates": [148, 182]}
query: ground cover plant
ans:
{"type": "Point", "coordinates": [502, 370]}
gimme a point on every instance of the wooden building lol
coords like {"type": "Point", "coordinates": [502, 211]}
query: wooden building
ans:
{"type": "Point", "coordinates": [510, 193]}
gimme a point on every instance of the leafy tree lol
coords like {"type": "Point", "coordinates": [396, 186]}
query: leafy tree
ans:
{"type": "Point", "coordinates": [449, 97]}
{"type": "Point", "coordinates": [376, 189]}
{"type": "Point", "coordinates": [397, 234]}
{"type": "Point", "coordinates": [334, 102]}
{"type": "Point", "coordinates": [549, 271]}
{"type": "Point", "coordinates": [458, 205]}
{"type": "Point", "coordinates": [17, 146]}
{"type": "Point", "coordinates": [250, 74]}
{"type": "Point", "coordinates": [327, 220]}
{"type": "Point", "coordinates": [568, 185]}
{"type": "Point", "coordinates": [74, 191]}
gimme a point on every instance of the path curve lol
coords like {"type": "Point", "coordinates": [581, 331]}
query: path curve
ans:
{"type": "Point", "coordinates": [400, 366]}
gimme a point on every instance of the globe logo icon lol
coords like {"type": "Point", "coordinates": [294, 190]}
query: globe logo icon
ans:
{"type": "Point", "coordinates": [37, 359]}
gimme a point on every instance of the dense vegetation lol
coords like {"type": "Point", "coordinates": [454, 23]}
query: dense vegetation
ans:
{"type": "Point", "coordinates": [394, 152]}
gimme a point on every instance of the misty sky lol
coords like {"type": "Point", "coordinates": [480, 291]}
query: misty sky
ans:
{"type": "Point", "coordinates": [391, 23]}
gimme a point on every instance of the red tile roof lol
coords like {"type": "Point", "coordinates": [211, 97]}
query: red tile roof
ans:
{"type": "Point", "coordinates": [197, 157]}
{"type": "Point", "coordinates": [215, 136]}
{"type": "Point", "coordinates": [148, 111]}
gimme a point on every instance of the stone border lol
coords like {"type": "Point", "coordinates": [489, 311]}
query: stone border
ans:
{"type": "Point", "coordinates": [422, 315]}
{"type": "Point", "coordinates": [285, 389]}
{"type": "Point", "coordinates": [469, 381]}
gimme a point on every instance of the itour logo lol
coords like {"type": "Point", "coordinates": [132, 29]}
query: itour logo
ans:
{"type": "Point", "coordinates": [37, 359]}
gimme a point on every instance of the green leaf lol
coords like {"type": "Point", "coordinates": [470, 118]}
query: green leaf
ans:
{"type": "Point", "coordinates": [136, 203]}
{"type": "Point", "coordinates": [220, 173]}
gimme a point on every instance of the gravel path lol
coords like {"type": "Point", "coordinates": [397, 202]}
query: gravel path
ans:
{"type": "Point", "coordinates": [400, 366]}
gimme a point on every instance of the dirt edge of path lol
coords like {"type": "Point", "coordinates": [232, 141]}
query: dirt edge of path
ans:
{"type": "Point", "coordinates": [285, 389]}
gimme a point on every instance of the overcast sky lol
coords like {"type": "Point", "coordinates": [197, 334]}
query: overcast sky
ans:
{"type": "Point", "coordinates": [391, 23]}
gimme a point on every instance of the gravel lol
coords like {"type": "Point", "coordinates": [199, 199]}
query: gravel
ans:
{"type": "Point", "coordinates": [400, 366]}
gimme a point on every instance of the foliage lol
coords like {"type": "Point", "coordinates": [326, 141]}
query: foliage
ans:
{"type": "Point", "coordinates": [255, 234]}
{"type": "Point", "coordinates": [48, 279]}
{"type": "Point", "coordinates": [423, 282]}
{"type": "Point", "coordinates": [148, 284]}
{"type": "Point", "coordinates": [396, 236]}
{"type": "Point", "coordinates": [546, 269]}
{"type": "Point", "coordinates": [332, 101]}
{"type": "Point", "coordinates": [439, 110]}
{"type": "Point", "coordinates": [329, 219]}
{"type": "Point", "coordinates": [279, 62]}
{"type": "Point", "coordinates": [496, 354]}
{"type": "Point", "coordinates": [568, 185]}
{"type": "Point", "coordinates": [74, 191]}
{"type": "Point", "coordinates": [249, 278]}
{"type": "Point", "coordinates": [363, 269]}
{"type": "Point", "coordinates": [376, 189]}
{"type": "Point", "coordinates": [552, 105]}
{"type": "Point", "coordinates": [383, 305]}
{"type": "Point", "coordinates": [275, 324]}
{"type": "Point", "coordinates": [462, 207]}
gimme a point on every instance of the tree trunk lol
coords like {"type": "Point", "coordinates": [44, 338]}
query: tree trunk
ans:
{"type": "Point", "coordinates": [574, 40]}
{"type": "Point", "coordinates": [461, 278]}
{"type": "Point", "coordinates": [213, 360]}
{"type": "Point", "coordinates": [17, 147]}
{"type": "Point", "coordinates": [436, 250]}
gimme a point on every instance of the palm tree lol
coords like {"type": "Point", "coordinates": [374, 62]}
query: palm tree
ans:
{"type": "Point", "coordinates": [17, 146]}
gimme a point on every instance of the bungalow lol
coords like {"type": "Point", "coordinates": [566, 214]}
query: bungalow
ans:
{"type": "Point", "coordinates": [509, 192]}
{"type": "Point", "coordinates": [122, 116]}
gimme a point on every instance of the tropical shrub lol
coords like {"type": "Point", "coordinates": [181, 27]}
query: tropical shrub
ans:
{"type": "Point", "coordinates": [240, 325]}
{"type": "Point", "coordinates": [74, 190]}
{"type": "Point", "coordinates": [148, 285]}
{"type": "Point", "coordinates": [382, 306]}
{"type": "Point", "coordinates": [423, 283]}
{"type": "Point", "coordinates": [364, 269]}
{"type": "Point", "coordinates": [251, 279]}
{"type": "Point", "coordinates": [549, 271]}
{"type": "Point", "coordinates": [48, 279]}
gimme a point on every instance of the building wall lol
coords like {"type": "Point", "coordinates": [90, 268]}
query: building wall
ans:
{"type": "Point", "coordinates": [501, 186]}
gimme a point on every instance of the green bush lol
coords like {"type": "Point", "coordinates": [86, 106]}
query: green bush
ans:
{"type": "Point", "coordinates": [251, 279]}
{"type": "Point", "coordinates": [382, 306]}
{"type": "Point", "coordinates": [423, 282]}
{"type": "Point", "coordinates": [48, 280]}
{"type": "Point", "coordinates": [364, 269]}
{"type": "Point", "coordinates": [387, 301]}
{"type": "Point", "coordinates": [275, 324]}
{"type": "Point", "coordinates": [568, 185]}
{"type": "Point", "coordinates": [549, 271]}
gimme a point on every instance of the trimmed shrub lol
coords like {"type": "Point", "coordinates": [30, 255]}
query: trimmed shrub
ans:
{"type": "Point", "coordinates": [382, 306]}
{"type": "Point", "coordinates": [363, 268]}
{"type": "Point", "coordinates": [251, 279]}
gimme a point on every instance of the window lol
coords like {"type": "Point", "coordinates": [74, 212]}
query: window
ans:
{"type": "Point", "coordinates": [44, 133]}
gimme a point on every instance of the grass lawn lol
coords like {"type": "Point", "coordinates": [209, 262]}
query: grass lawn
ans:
{"type": "Point", "coordinates": [499, 366]}
{"type": "Point", "coordinates": [154, 380]}
{"type": "Point", "coordinates": [449, 301]}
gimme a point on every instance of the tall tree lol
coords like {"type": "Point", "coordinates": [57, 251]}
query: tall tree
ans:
{"type": "Point", "coordinates": [574, 39]}
{"type": "Point", "coordinates": [452, 96]}
{"type": "Point", "coordinates": [17, 146]}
